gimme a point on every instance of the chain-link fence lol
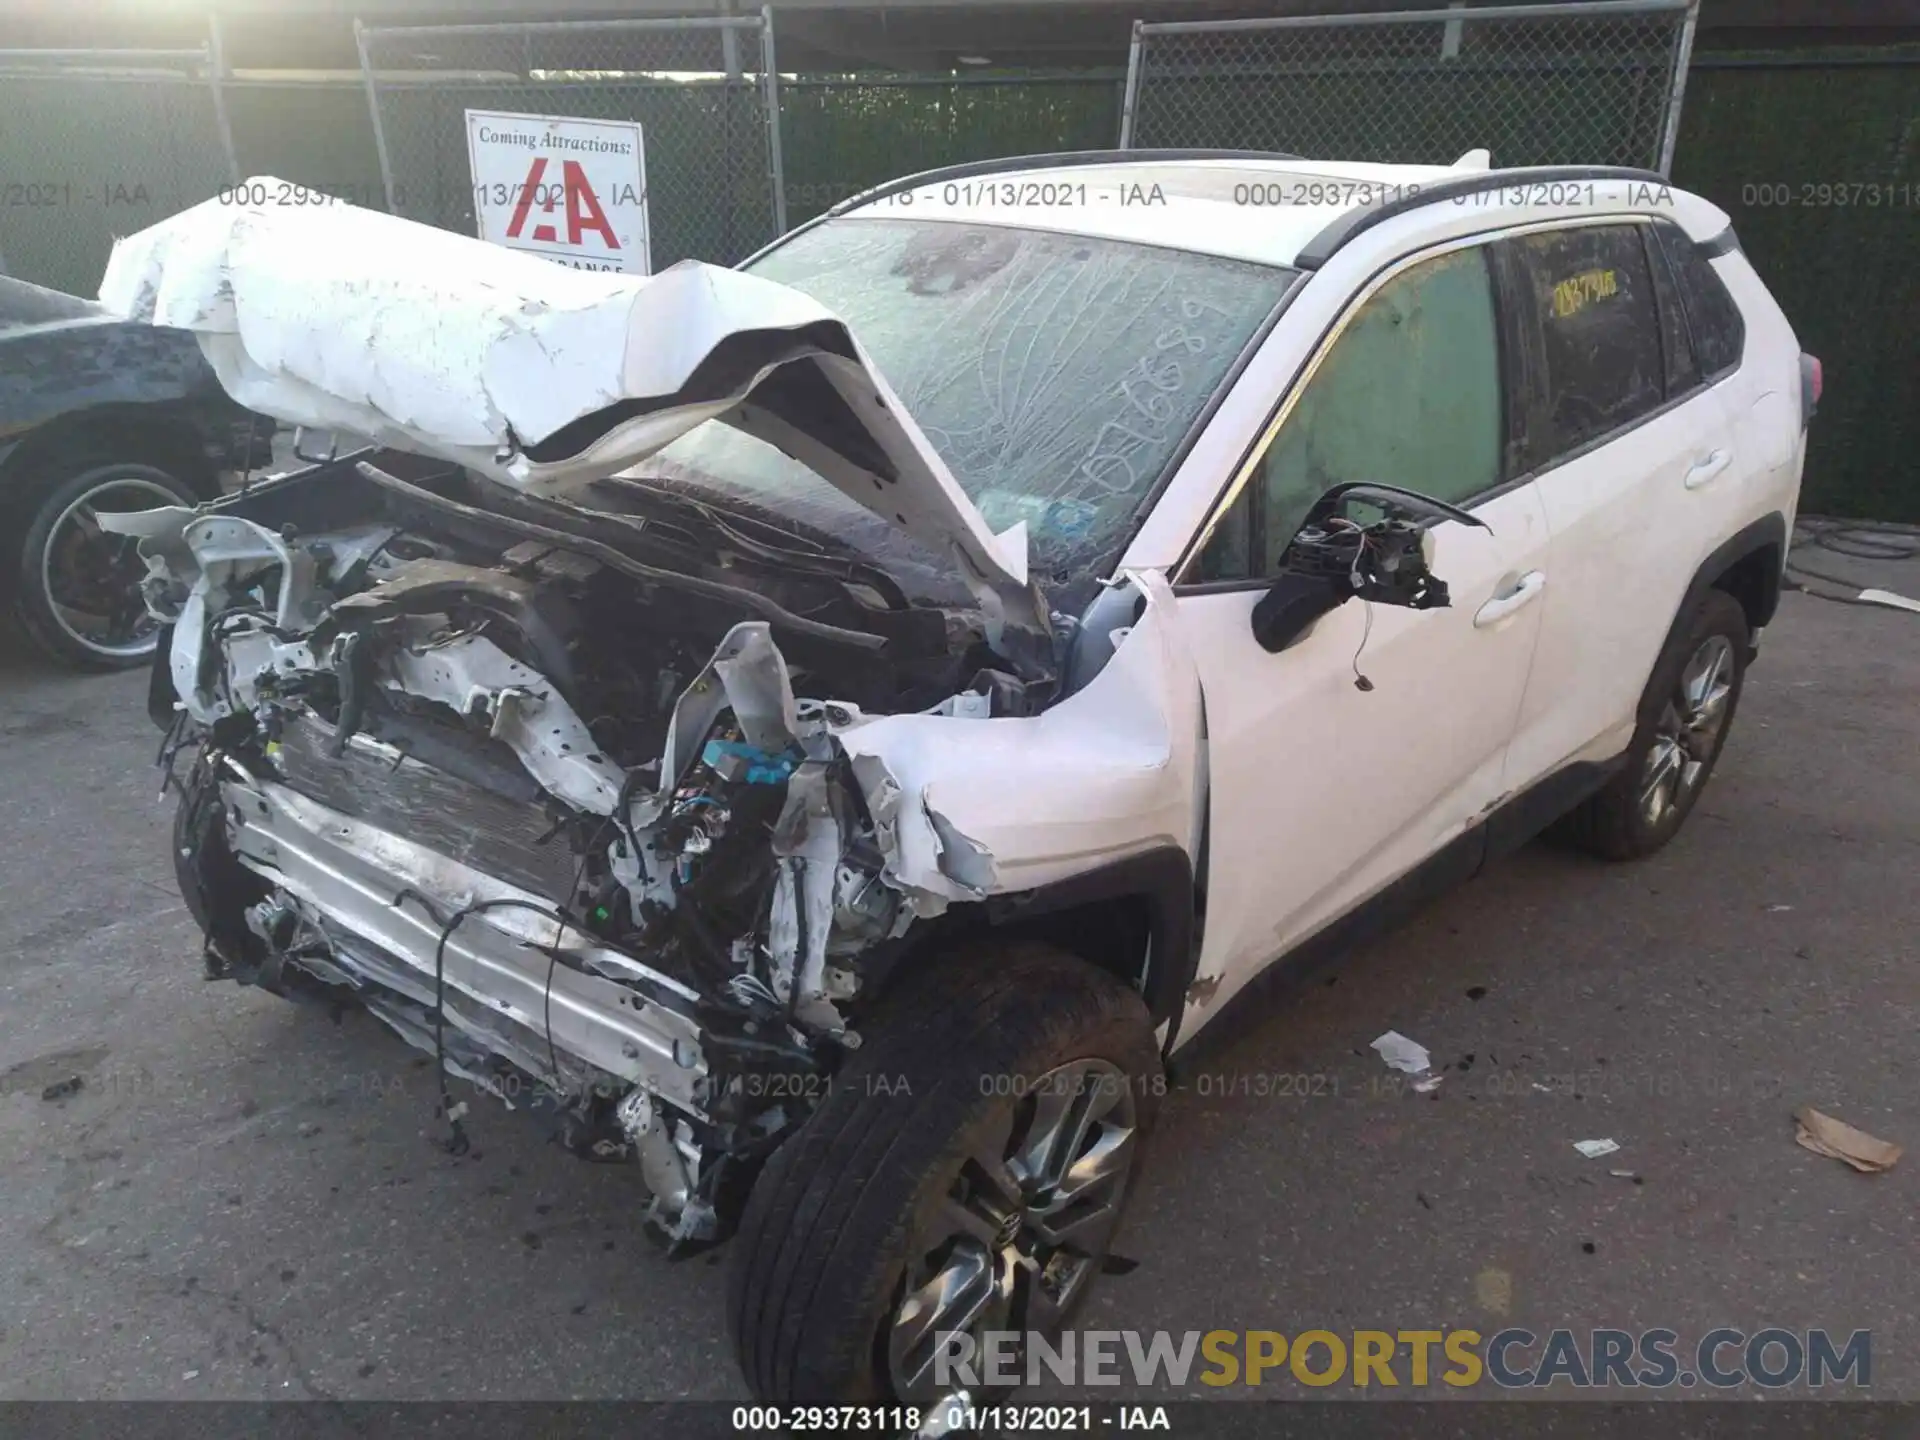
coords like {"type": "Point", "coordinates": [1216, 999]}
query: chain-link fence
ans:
{"type": "Point", "coordinates": [1569, 83]}
{"type": "Point", "coordinates": [842, 134]}
{"type": "Point", "coordinates": [703, 91]}
{"type": "Point", "coordinates": [100, 143]}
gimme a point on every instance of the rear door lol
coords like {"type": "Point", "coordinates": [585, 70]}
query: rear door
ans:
{"type": "Point", "coordinates": [1343, 761]}
{"type": "Point", "coordinates": [1630, 449]}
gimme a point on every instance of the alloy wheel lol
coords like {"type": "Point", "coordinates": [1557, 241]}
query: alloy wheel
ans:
{"type": "Point", "coordinates": [1026, 1224]}
{"type": "Point", "coordinates": [1689, 731]}
{"type": "Point", "coordinates": [91, 579]}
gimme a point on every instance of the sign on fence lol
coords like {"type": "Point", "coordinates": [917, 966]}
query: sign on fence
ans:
{"type": "Point", "coordinates": [571, 190]}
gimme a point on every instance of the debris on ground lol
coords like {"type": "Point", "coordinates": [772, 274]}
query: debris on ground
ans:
{"type": "Point", "coordinates": [61, 1089]}
{"type": "Point", "coordinates": [1594, 1149]}
{"type": "Point", "coordinates": [1626, 1175]}
{"type": "Point", "coordinates": [1402, 1054]}
{"type": "Point", "coordinates": [1409, 1058]}
{"type": "Point", "coordinates": [1838, 1140]}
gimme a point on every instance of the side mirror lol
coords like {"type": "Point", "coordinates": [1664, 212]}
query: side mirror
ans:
{"type": "Point", "coordinates": [1291, 605]}
{"type": "Point", "coordinates": [1333, 558]}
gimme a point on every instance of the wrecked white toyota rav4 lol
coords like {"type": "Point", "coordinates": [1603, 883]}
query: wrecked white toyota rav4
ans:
{"type": "Point", "coordinates": [828, 731]}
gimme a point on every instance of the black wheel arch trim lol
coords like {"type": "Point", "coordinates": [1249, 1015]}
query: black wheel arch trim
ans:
{"type": "Point", "coordinates": [1769, 531]}
{"type": "Point", "coordinates": [1163, 878]}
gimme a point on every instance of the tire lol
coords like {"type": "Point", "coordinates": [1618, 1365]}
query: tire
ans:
{"type": "Point", "coordinates": [50, 507]}
{"type": "Point", "coordinates": [216, 887]}
{"type": "Point", "coordinates": [1632, 817]}
{"type": "Point", "coordinates": [851, 1210]}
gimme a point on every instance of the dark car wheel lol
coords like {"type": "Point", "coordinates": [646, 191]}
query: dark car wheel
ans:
{"type": "Point", "coordinates": [965, 1173]}
{"type": "Point", "coordinates": [77, 588]}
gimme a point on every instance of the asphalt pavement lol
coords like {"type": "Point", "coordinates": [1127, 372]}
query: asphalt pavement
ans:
{"type": "Point", "coordinates": [244, 1200]}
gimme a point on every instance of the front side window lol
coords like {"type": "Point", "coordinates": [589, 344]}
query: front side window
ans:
{"type": "Point", "coordinates": [1408, 395]}
{"type": "Point", "coordinates": [1600, 356]}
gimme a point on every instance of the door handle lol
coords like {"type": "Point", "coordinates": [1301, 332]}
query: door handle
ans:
{"type": "Point", "coordinates": [1501, 606]}
{"type": "Point", "coordinates": [1703, 470]}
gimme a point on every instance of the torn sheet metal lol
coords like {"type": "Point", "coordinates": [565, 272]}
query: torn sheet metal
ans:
{"type": "Point", "coordinates": [748, 675]}
{"type": "Point", "coordinates": [808, 840]}
{"type": "Point", "coordinates": [968, 807]}
{"type": "Point", "coordinates": [472, 676]}
{"type": "Point", "coordinates": [346, 319]}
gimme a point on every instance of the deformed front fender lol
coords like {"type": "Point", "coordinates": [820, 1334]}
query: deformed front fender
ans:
{"type": "Point", "coordinates": [973, 808]}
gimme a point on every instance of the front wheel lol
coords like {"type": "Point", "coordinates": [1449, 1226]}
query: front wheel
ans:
{"type": "Point", "coordinates": [966, 1173]}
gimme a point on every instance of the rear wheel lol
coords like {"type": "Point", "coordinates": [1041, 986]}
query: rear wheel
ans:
{"type": "Point", "coordinates": [77, 587]}
{"type": "Point", "coordinates": [1684, 719]}
{"type": "Point", "coordinates": [966, 1173]}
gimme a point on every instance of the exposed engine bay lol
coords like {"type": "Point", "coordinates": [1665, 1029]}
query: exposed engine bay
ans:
{"type": "Point", "coordinates": [621, 793]}
{"type": "Point", "coordinates": [621, 813]}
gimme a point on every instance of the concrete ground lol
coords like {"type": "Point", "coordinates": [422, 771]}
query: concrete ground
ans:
{"type": "Point", "coordinates": [242, 1200]}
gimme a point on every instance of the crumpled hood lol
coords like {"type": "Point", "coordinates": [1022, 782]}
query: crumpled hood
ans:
{"type": "Point", "coordinates": [517, 367]}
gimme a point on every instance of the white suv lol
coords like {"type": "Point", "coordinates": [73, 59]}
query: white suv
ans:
{"type": "Point", "coordinates": [831, 732]}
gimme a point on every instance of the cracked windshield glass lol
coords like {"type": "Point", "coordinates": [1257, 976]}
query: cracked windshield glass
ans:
{"type": "Point", "coordinates": [1054, 373]}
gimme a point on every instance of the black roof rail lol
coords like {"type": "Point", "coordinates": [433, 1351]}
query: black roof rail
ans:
{"type": "Point", "coordinates": [1058, 161]}
{"type": "Point", "coordinates": [1317, 251]}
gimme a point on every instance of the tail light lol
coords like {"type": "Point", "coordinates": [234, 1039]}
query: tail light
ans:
{"type": "Point", "coordinates": [1812, 382]}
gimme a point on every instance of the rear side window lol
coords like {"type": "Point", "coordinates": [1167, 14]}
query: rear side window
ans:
{"type": "Point", "coordinates": [1601, 361]}
{"type": "Point", "coordinates": [1713, 317]}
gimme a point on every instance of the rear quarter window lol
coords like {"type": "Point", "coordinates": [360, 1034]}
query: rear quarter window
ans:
{"type": "Point", "coordinates": [1713, 316]}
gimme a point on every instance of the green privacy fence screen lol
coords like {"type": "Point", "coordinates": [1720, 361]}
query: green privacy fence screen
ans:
{"type": "Point", "coordinates": [1787, 143]}
{"type": "Point", "coordinates": [844, 133]}
{"type": "Point", "coordinates": [1817, 159]}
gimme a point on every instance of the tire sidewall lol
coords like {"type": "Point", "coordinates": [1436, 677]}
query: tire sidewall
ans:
{"type": "Point", "coordinates": [1715, 613]}
{"type": "Point", "coordinates": [1113, 1044]}
{"type": "Point", "coordinates": [857, 1234]}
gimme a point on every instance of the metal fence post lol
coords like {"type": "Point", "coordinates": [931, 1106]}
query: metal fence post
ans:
{"type": "Point", "coordinates": [1132, 95]}
{"type": "Point", "coordinates": [770, 76]}
{"type": "Point", "coordinates": [1682, 61]}
{"type": "Point", "coordinates": [373, 108]}
{"type": "Point", "coordinates": [216, 81]}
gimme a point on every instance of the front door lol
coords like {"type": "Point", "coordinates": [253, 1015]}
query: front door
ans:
{"type": "Point", "coordinates": [1344, 760]}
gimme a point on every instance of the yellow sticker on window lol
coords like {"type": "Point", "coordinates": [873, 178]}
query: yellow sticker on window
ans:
{"type": "Point", "coordinates": [1574, 294]}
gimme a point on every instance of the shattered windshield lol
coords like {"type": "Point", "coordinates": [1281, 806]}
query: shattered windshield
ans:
{"type": "Point", "coordinates": [1054, 373]}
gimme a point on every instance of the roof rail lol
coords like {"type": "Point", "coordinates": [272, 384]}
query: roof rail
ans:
{"type": "Point", "coordinates": [1060, 161]}
{"type": "Point", "coordinates": [1317, 251]}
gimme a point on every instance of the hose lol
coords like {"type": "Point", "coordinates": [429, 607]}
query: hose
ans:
{"type": "Point", "coordinates": [1882, 541]}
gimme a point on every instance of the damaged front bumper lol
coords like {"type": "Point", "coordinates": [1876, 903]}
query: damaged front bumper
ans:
{"type": "Point", "coordinates": [486, 791]}
{"type": "Point", "coordinates": [372, 913]}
